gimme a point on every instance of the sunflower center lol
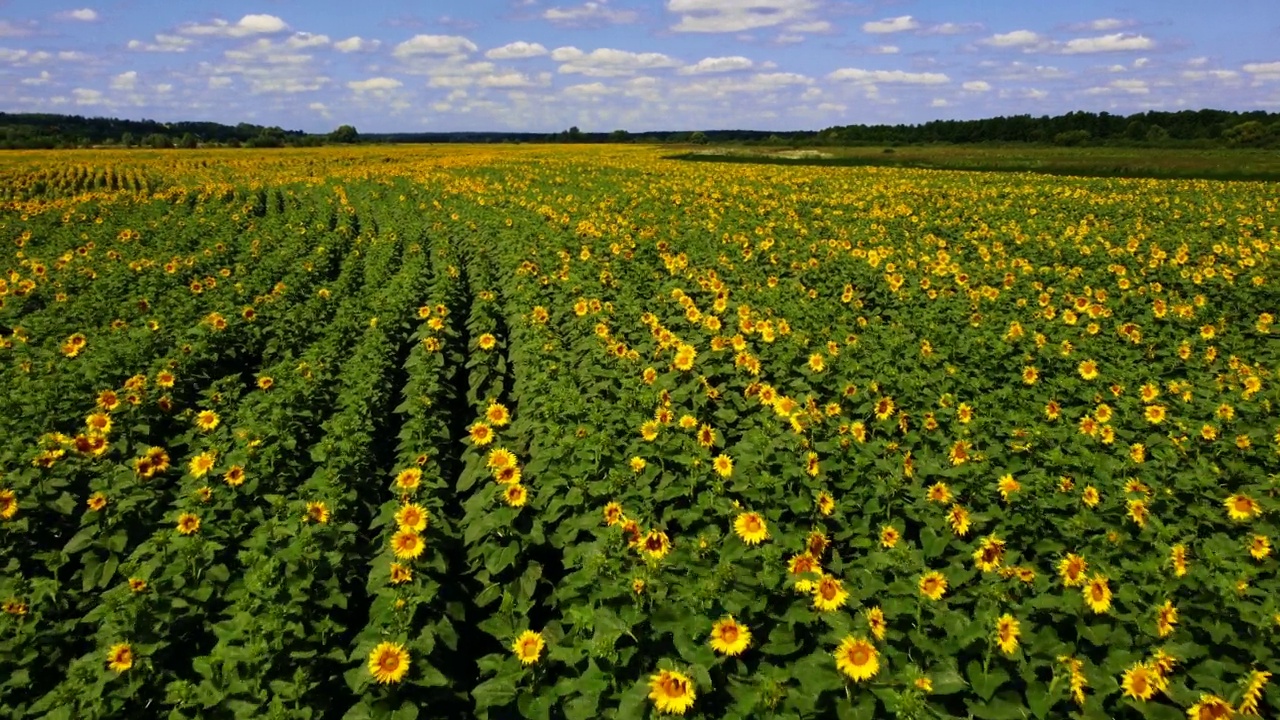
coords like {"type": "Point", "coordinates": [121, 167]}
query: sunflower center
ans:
{"type": "Point", "coordinates": [389, 662]}
{"type": "Point", "coordinates": [753, 524]}
{"type": "Point", "coordinates": [859, 656]}
{"type": "Point", "coordinates": [729, 633]}
{"type": "Point", "coordinates": [828, 590]}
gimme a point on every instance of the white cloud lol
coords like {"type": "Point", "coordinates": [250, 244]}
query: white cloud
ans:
{"type": "Point", "coordinates": [518, 50]}
{"type": "Point", "coordinates": [511, 79]}
{"type": "Point", "coordinates": [72, 56]}
{"type": "Point", "coordinates": [355, 43]}
{"type": "Point", "coordinates": [594, 89]}
{"type": "Point", "coordinates": [813, 26]}
{"type": "Point", "coordinates": [375, 84]}
{"type": "Point", "coordinates": [320, 108]}
{"type": "Point", "coordinates": [977, 86]}
{"type": "Point", "coordinates": [1205, 74]}
{"type": "Point", "coordinates": [218, 82]}
{"type": "Point", "coordinates": [1141, 62]}
{"type": "Point", "coordinates": [1263, 71]}
{"type": "Point", "coordinates": [1116, 42]}
{"type": "Point", "coordinates": [1198, 61]}
{"type": "Point", "coordinates": [1016, 38]}
{"type": "Point", "coordinates": [901, 23]}
{"type": "Point", "coordinates": [301, 40]}
{"type": "Point", "coordinates": [950, 28]}
{"type": "Point", "coordinates": [885, 50]}
{"type": "Point", "coordinates": [85, 96]}
{"type": "Point", "coordinates": [858, 75]}
{"type": "Point", "coordinates": [607, 62]}
{"type": "Point", "coordinates": [125, 80]}
{"type": "Point", "coordinates": [245, 26]}
{"type": "Point", "coordinates": [163, 43]}
{"type": "Point", "coordinates": [716, 65]}
{"type": "Point", "coordinates": [8, 29]}
{"type": "Point", "coordinates": [1102, 24]}
{"type": "Point", "coordinates": [590, 13]}
{"type": "Point", "coordinates": [737, 15]}
{"type": "Point", "coordinates": [1138, 87]}
{"type": "Point", "coordinates": [434, 45]}
{"type": "Point", "coordinates": [42, 79]}
{"type": "Point", "coordinates": [940, 102]}
{"type": "Point", "coordinates": [163, 88]}
{"type": "Point", "coordinates": [82, 15]}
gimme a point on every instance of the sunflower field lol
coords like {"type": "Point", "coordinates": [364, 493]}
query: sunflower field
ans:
{"type": "Point", "coordinates": [584, 433]}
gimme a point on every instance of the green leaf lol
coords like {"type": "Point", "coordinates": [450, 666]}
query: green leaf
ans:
{"type": "Point", "coordinates": [985, 682]}
{"type": "Point", "coordinates": [496, 691]}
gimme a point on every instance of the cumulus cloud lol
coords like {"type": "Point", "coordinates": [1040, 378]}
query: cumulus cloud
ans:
{"type": "Point", "coordinates": [867, 77]}
{"type": "Point", "coordinates": [607, 62]}
{"type": "Point", "coordinates": [244, 27]}
{"type": "Point", "coordinates": [977, 86]}
{"type": "Point", "coordinates": [374, 84]}
{"type": "Point", "coordinates": [594, 89]}
{"type": "Point", "coordinates": [738, 16]}
{"type": "Point", "coordinates": [901, 23]}
{"type": "Point", "coordinates": [125, 80]}
{"type": "Point", "coordinates": [590, 13]}
{"type": "Point", "coordinates": [1116, 42]}
{"type": "Point", "coordinates": [950, 28]}
{"type": "Point", "coordinates": [355, 43]}
{"type": "Point", "coordinates": [1102, 25]}
{"type": "Point", "coordinates": [87, 96]}
{"type": "Point", "coordinates": [518, 50]}
{"type": "Point", "coordinates": [163, 43]}
{"type": "Point", "coordinates": [42, 79]}
{"type": "Point", "coordinates": [1015, 38]}
{"type": "Point", "coordinates": [81, 15]}
{"type": "Point", "coordinates": [717, 65]}
{"type": "Point", "coordinates": [8, 29]}
{"type": "Point", "coordinates": [510, 80]}
{"type": "Point", "coordinates": [440, 45]}
{"type": "Point", "coordinates": [1263, 71]}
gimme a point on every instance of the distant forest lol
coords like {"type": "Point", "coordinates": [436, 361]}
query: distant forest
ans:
{"type": "Point", "coordinates": [1187, 128]}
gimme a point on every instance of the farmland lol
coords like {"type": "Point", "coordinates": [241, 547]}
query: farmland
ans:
{"type": "Point", "coordinates": [583, 432]}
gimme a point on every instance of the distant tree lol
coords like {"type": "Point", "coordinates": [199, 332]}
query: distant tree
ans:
{"type": "Point", "coordinates": [619, 136]}
{"type": "Point", "coordinates": [574, 134]}
{"type": "Point", "coordinates": [1249, 134]}
{"type": "Point", "coordinates": [158, 141]}
{"type": "Point", "coordinates": [1137, 130]}
{"type": "Point", "coordinates": [698, 138]}
{"type": "Point", "coordinates": [1157, 134]}
{"type": "Point", "coordinates": [188, 142]}
{"type": "Point", "coordinates": [345, 134]}
{"type": "Point", "coordinates": [1072, 138]}
{"type": "Point", "coordinates": [128, 140]}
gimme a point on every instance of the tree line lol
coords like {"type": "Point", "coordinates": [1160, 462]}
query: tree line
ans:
{"type": "Point", "coordinates": [1187, 128]}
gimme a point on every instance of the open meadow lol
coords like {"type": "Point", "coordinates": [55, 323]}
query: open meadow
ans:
{"type": "Point", "coordinates": [582, 432]}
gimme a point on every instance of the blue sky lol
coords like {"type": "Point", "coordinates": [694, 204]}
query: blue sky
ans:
{"type": "Point", "coordinates": [543, 65]}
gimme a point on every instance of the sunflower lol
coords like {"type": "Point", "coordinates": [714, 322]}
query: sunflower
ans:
{"type": "Point", "coordinates": [933, 585]}
{"type": "Point", "coordinates": [1008, 486]}
{"type": "Point", "coordinates": [1140, 681]}
{"type": "Point", "coordinates": [188, 524]}
{"type": "Point", "coordinates": [487, 341]}
{"type": "Point", "coordinates": [1088, 369]}
{"type": "Point", "coordinates": [388, 663]}
{"type": "Point", "coordinates": [857, 658]}
{"type": "Point", "coordinates": [1097, 594]}
{"type": "Point", "coordinates": [1242, 507]}
{"type": "Point", "coordinates": [829, 594]}
{"type": "Point", "coordinates": [202, 463]}
{"type": "Point", "coordinates": [1178, 558]}
{"type": "Point", "coordinates": [801, 564]}
{"type": "Point", "coordinates": [706, 436]}
{"type": "Point", "coordinates": [959, 453]}
{"type": "Point", "coordinates": [1090, 496]}
{"type": "Point", "coordinates": [816, 543]}
{"type": "Point", "coordinates": [723, 465]}
{"type": "Point", "coordinates": [509, 475]}
{"type": "Point", "coordinates": [407, 544]}
{"type": "Point", "coordinates": [990, 553]}
{"type": "Point", "coordinates": [613, 514]}
{"type": "Point", "coordinates": [671, 692]}
{"type": "Point", "coordinates": [729, 638]}
{"type": "Point", "coordinates": [638, 464]}
{"type": "Point", "coordinates": [137, 585]}
{"type": "Point", "coordinates": [528, 647]}
{"type": "Point", "coordinates": [1072, 569]}
{"type": "Point", "coordinates": [207, 420]}
{"type": "Point", "coordinates": [97, 501]}
{"type": "Point", "coordinates": [825, 503]}
{"type": "Point", "coordinates": [958, 518]}
{"type": "Point", "coordinates": [99, 423]}
{"type": "Point", "coordinates": [481, 434]}
{"type": "Point", "coordinates": [317, 512]}
{"type": "Point", "coordinates": [497, 414]}
{"type": "Point", "coordinates": [411, 517]}
{"type": "Point", "coordinates": [234, 476]}
{"type": "Point", "coordinates": [1166, 618]}
{"type": "Point", "coordinates": [656, 544]}
{"type": "Point", "coordinates": [165, 379]}
{"type": "Point", "coordinates": [876, 623]}
{"type": "Point", "coordinates": [515, 495]}
{"type": "Point", "coordinates": [120, 657]}
{"type": "Point", "coordinates": [500, 458]}
{"type": "Point", "coordinates": [265, 383]}
{"type": "Point", "coordinates": [1138, 512]}
{"type": "Point", "coordinates": [409, 479]}
{"type": "Point", "coordinates": [1210, 707]}
{"type": "Point", "coordinates": [1007, 632]}
{"type": "Point", "coordinates": [108, 400]}
{"type": "Point", "coordinates": [884, 408]}
{"type": "Point", "coordinates": [1259, 547]}
{"type": "Point", "coordinates": [817, 363]}
{"type": "Point", "coordinates": [649, 430]}
{"type": "Point", "coordinates": [1030, 375]}
{"type": "Point", "coordinates": [751, 528]}
{"type": "Point", "coordinates": [400, 574]}
{"type": "Point", "coordinates": [1253, 692]}
{"type": "Point", "coordinates": [889, 536]}
{"type": "Point", "coordinates": [1155, 414]}
{"type": "Point", "coordinates": [939, 493]}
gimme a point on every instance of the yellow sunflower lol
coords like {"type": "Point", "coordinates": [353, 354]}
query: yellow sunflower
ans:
{"type": "Point", "coordinates": [728, 637]}
{"type": "Point", "coordinates": [751, 528]}
{"type": "Point", "coordinates": [857, 658]}
{"type": "Point", "coordinates": [528, 647]}
{"type": "Point", "coordinates": [671, 692]}
{"type": "Point", "coordinates": [388, 663]}
{"type": "Point", "coordinates": [407, 544]}
{"type": "Point", "coordinates": [829, 594]}
{"type": "Point", "coordinates": [120, 657]}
